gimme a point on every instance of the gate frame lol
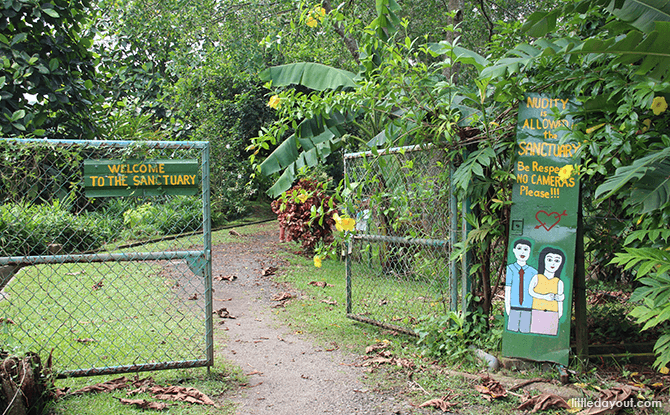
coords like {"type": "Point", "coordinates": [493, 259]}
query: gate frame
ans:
{"type": "Point", "coordinates": [199, 262]}
{"type": "Point", "coordinates": [466, 280]}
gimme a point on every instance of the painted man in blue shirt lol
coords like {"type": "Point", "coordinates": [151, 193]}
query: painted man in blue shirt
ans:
{"type": "Point", "coordinates": [518, 302]}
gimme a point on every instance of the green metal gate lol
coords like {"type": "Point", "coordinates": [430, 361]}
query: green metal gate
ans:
{"type": "Point", "coordinates": [407, 223]}
{"type": "Point", "coordinates": [105, 254]}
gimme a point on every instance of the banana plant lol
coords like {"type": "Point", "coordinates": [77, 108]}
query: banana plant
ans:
{"type": "Point", "coordinates": [316, 137]}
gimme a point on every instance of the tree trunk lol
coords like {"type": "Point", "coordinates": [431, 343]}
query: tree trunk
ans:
{"type": "Point", "coordinates": [455, 6]}
{"type": "Point", "coordinates": [349, 41]}
{"type": "Point", "coordinates": [23, 386]}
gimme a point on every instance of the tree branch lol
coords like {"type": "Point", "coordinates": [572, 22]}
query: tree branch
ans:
{"type": "Point", "coordinates": [349, 41]}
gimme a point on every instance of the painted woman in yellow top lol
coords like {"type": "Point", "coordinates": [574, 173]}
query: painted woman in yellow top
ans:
{"type": "Point", "coordinates": [546, 288]}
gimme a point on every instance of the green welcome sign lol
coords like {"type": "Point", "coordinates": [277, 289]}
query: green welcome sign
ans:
{"type": "Point", "coordinates": [543, 229]}
{"type": "Point", "coordinates": [108, 178]}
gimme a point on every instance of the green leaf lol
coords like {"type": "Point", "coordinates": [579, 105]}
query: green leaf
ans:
{"type": "Point", "coordinates": [283, 156]}
{"type": "Point", "coordinates": [650, 168]}
{"type": "Point", "coordinates": [641, 14]}
{"type": "Point", "coordinates": [516, 60]}
{"type": "Point", "coordinates": [312, 75]}
{"type": "Point", "coordinates": [540, 23]}
{"type": "Point", "coordinates": [51, 12]}
{"type": "Point", "coordinates": [18, 38]}
{"type": "Point", "coordinates": [17, 115]}
{"type": "Point", "coordinates": [459, 54]}
{"type": "Point", "coordinates": [652, 191]}
{"type": "Point", "coordinates": [649, 53]}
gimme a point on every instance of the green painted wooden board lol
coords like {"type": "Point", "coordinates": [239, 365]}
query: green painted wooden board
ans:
{"type": "Point", "coordinates": [543, 228]}
{"type": "Point", "coordinates": [114, 178]}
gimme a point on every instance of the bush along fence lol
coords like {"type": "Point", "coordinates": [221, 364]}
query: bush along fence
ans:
{"type": "Point", "coordinates": [105, 259]}
{"type": "Point", "coordinates": [407, 223]}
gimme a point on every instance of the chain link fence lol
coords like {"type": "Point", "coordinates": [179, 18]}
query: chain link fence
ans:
{"type": "Point", "coordinates": [105, 254]}
{"type": "Point", "coordinates": [398, 267]}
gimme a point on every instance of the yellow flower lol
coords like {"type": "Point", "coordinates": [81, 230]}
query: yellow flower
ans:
{"type": "Point", "coordinates": [664, 370]}
{"type": "Point", "coordinates": [274, 102]}
{"type": "Point", "coordinates": [317, 261]}
{"type": "Point", "coordinates": [566, 171]}
{"type": "Point", "coordinates": [575, 405]}
{"type": "Point", "coordinates": [343, 223]}
{"type": "Point", "coordinates": [303, 197]}
{"type": "Point", "coordinates": [315, 16]}
{"type": "Point", "coordinates": [659, 105]}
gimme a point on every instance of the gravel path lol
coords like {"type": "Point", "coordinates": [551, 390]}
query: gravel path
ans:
{"type": "Point", "coordinates": [288, 374]}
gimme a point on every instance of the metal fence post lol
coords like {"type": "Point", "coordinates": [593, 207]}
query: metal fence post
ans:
{"type": "Point", "coordinates": [453, 239]}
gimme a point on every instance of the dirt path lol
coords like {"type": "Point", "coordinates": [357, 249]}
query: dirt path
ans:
{"type": "Point", "coordinates": [288, 374]}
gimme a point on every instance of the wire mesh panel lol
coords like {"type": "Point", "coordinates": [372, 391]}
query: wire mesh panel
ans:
{"type": "Point", "coordinates": [398, 259]}
{"type": "Point", "coordinates": [105, 254]}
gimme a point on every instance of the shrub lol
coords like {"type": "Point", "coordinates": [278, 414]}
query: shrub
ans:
{"type": "Point", "coordinates": [305, 212]}
{"type": "Point", "coordinates": [177, 215]}
{"type": "Point", "coordinates": [448, 337]}
{"type": "Point", "coordinates": [29, 230]}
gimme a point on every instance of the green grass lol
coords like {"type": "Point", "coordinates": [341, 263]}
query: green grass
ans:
{"type": "Point", "coordinates": [133, 316]}
{"type": "Point", "coordinates": [117, 313]}
{"type": "Point", "coordinates": [214, 383]}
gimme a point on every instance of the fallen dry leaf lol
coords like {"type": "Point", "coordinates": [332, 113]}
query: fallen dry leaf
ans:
{"type": "Point", "coordinates": [144, 404]}
{"type": "Point", "coordinates": [225, 278]}
{"type": "Point", "coordinates": [6, 320]}
{"type": "Point", "coordinates": [234, 232]}
{"type": "Point", "coordinates": [97, 285]}
{"type": "Point", "coordinates": [141, 385]}
{"type": "Point", "coordinates": [110, 385]}
{"type": "Point", "coordinates": [193, 297]}
{"type": "Point", "coordinates": [269, 271]}
{"type": "Point", "coordinates": [606, 403]}
{"type": "Point", "coordinates": [85, 341]}
{"type": "Point", "coordinates": [376, 347]}
{"type": "Point", "coordinates": [439, 403]}
{"type": "Point", "coordinates": [224, 313]}
{"type": "Point", "coordinates": [321, 284]}
{"type": "Point", "coordinates": [491, 389]}
{"type": "Point", "coordinates": [329, 302]}
{"type": "Point", "coordinates": [285, 296]}
{"type": "Point", "coordinates": [542, 402]}
{"type": "Point", "coordinates": [182, 394]}
{"type": "Point", "coordinates": [405, 363]}
{"type": "Point", "coordinates": [378, 359]}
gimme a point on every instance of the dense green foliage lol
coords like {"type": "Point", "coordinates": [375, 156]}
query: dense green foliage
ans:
{"type": "Point", "coordinates": [608, 55]}
{"type": "Point", "coordinates": [31, 230]}
{"type": "Point", "coordinates": [47, 73]}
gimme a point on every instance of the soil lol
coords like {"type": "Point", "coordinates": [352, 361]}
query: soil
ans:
{"type": "Point", "coordinates": [288, 372]}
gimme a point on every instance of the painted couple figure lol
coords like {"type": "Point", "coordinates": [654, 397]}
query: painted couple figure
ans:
{"type": "Point", "coordinates": [534, 298]}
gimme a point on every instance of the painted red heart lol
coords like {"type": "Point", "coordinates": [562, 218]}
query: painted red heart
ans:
{"type": "Point", "coordinates": [553, 216]}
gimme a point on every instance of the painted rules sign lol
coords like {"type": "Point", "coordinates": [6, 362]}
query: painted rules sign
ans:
{"type": "Point", "coordinates": [543, 229]}
{"type": "Point", "coordinates": [108, 178]}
